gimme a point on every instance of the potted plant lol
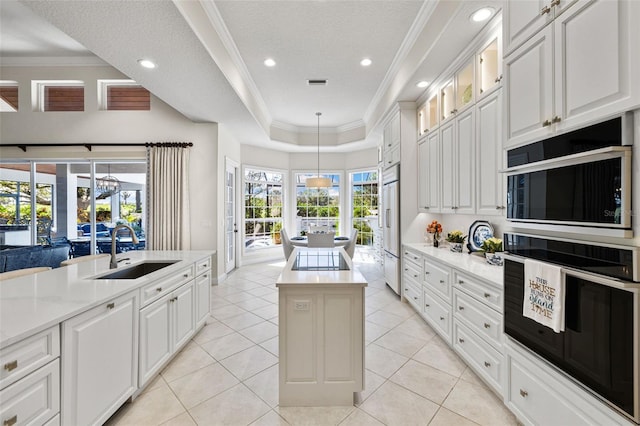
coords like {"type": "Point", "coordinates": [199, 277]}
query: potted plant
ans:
{"type": "Point", "coordinates": [275, 232]}
{"type": "Point", "coordinates": [456, 239]}
{"type": "Point", "coordinates": [492, 247]}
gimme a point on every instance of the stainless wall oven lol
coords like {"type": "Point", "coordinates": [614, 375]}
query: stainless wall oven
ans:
{"type": "Point", "coordinates": [600, 346]}
{"type": "Point", "coordinates": [577, 179]}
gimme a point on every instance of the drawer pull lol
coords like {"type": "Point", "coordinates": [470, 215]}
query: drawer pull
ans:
{"type": "Point", "coordinates": [205, 275]}
{"type": "Point", "coordinates": [544, 10]}
{"type": "Point", "coordinates": [406, 289]}
{"type": "Point", "coordinates": [427, 272]}
{"type": "Point", "coordinates": [415, 258]}
{"type": "Point", "coordinates": [11, 421]}
{"type": "Point", "coordinates": [441, 281]}
{"type": "Point", "coordinates": [415, 297]}
{"type": "Point", "coordinates": [461, 340]}
{"type": "Point", "coordinates": [546, 123]}
{"type": "Point", "coordinates": [487, 364]}
{"type": "Point", "coordinates": [406, 269]}
{"type": "Point", "coordinates": [426, 305]}
{"type": "Point", "coordinates": [10, 366]}
{"type": "Point", "coordinates": [487, 295]}
{"type": "Point", "coordinates": [460, 282]}
{"type": "Point", "coordinates": [461, 308]}
{"type": "Point", "coordinates": [487, 325]}
{"type": "Point", "coordinates": [186, 275]}
{"type": "Point", "coordinates": [159, 289]}
{"type": "Point", "coordinates": [415, 275]}
{"type": "Point", "coordinates": [523, 393]}
{"type": "Point", "coordinates": [441, 318]}
{"type": "Point", "coordinates": [111, 305]}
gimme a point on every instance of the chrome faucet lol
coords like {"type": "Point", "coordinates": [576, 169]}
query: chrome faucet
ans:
{"type": "Point", "coordinates": [114, 263]}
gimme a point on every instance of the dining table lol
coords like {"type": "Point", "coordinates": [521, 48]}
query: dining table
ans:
{"type": "Point", "coordinates": [303, 241]}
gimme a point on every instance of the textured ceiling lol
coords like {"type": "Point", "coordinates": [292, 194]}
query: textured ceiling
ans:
{"type": "Point", "coordinates": [211, 54]}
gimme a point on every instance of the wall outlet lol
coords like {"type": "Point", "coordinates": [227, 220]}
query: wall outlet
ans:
{"type": "Point", "coordinates": [301, 305]}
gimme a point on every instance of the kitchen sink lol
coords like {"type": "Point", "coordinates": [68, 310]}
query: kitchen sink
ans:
{"type": "Point", "coordinates": [137, 271]}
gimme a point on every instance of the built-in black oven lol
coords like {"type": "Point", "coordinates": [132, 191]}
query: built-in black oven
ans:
{"type": "Point", "coordinates": [599, 346]}
{"type": "Point", "coordinates": [581, 178]}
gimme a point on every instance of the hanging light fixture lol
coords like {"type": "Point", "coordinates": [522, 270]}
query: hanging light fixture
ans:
{"type": "Point", "coordinates": [318, 182]}
{"type": "Point", "coordinates": [107, 185]}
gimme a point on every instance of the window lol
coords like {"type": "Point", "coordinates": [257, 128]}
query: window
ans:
{"type": "Point", "coordinates": [364, 199]}
{"type": "Point", "coordinates": [58, 95]}
{"type": "Point", "coordinates": [319, 207]}
{"type": "Point", "coordinates": [123, 95]}
{"type": "Point", "coordinates": [8, 96]}
{"type": "Point", "coordinates": [262, 208]}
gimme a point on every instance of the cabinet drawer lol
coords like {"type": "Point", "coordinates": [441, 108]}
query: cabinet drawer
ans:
{"type": "Point", "coordinates": [481, 319]}
{"type": "Point", "coordinates": [484, 359]}
{"type": "Point", "coordinates": [491, 296]}
{"type": "Point", "coordinates": [26, 356]}
{"type": "Point", "coordinates": [158, 289]}
{"type": "Point", "coordinates": [413, 257]}
{"type": "Point", "coordinates": [413, 294]}
{"type": "Point", "coordinates": [203, 266]}
{"type": "Point", "coordinates": [412, 272]}
{"type": "Point", "coordinates": [538, 401]}
{"type": "Point", "coordinates": [438, 314]}
{"type": "Point", "coordinates": [438, 279]}
{"type": "Point", "coordinates": [33, 400]}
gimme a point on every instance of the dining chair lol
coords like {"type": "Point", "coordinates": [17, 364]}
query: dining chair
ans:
{"type": "Point", "coordinates": [321, 240]}
{"type": "Point", "coordinates": [75, 260]}
{"type": "Point", "coordinates": [318, 229]}
{"type": "Point", "coordinates": [287, 246]}
{"type": "Point", "coordinates": [351, 247]}
{"type": "Point", "coordinates": [22, 272]}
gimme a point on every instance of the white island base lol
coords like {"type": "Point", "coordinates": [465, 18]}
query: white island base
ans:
{"type": "Point", "coordinates": [321, 335]}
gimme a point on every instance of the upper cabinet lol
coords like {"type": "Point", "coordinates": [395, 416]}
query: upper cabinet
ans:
{"type": "Point", "coordinates": [489, 67]}
{"type": "Point", "coordinates": [428, 116]}
{"type": "Point", "coordinates": [458, 93]}
{"type": "Point", "coordinates": [577, 69]}
{"type": "Point", "coordinates": [391, 141]}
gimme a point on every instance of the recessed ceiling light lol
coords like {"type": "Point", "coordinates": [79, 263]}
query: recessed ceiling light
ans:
{"type": "Point", "coordinates": [482, 14]}
{"type": "Point", "coordinates": [146, 63]}
{"type": "Point", "coordinates": [270, 62]}
{"type": "Point", "coordinates": [365, 62]}
{"type": "Point", "coordinates": [422, 84]}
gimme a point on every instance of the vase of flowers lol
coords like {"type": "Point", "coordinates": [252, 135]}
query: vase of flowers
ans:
{"type": "Point", "coordinates": [456, 239]}
{"type": "Point", "coordinates": [435, 229]}
{"type": "Point", "coordinates": [492, 248]}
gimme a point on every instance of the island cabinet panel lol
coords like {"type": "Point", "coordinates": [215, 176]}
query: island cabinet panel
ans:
{"type": "Point", "coordinates": [321, 346]}
{"type": "Point", "coordinates": [99, 360]}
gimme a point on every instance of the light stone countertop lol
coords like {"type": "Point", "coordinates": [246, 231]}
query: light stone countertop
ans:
{"type": "Point", "coordinates": [290, 277]}
{"type": "Point", "coordinates": [471, 263]}
{"type": "Point", "coordinates": [33, 303]}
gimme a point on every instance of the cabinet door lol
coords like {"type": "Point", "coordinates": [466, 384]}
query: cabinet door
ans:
{"type": "Point", "coordinates": [184, 314]}
{"type": "Point", "coordinates": [529, 80]}
{"type": "Point", "coordinates": [489, 154]}
{"type": "Point", "coordinates": [464, 161]}
{"type": "Point", "coordinates": [434, 172]}
{"type": "Point", "coordinates": [423, 176]}
{"type": "Point", "coordinates": [595, 60]}
{"type": "Point", "coordinates": [447, 141]}
{"type": "Point", "coordinates": [99, 361]}
{"type": "Point", "coordinates": [203, 291]}
{"type": "Point", "coordinates": [522, 19]}
{"type": "Point", "coordinates": [155, 338]}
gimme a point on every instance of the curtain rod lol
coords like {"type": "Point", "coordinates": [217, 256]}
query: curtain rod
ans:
{"type": "Point", "coordinates": [24, 146]}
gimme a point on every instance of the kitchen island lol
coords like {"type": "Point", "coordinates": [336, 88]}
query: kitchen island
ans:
{"type": "Point", "coordinates": [321, 328]}
{"type": "Point", "coordinates": [76, 342]}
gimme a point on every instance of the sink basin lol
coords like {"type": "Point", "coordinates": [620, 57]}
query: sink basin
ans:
{"type": "Point", "coordinates": [136, 271]}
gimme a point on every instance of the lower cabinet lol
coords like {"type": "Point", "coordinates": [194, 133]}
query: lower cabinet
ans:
{"type": "Point", "coordinates": [438, 314]}
{"type": "Point", "coordinates": [487, 362]}
{"type": "Point", "coordinates": [165, 326]}
{"type": "Point", "coordinates": [203, 294]}
{"type": "Point", "coordinates": [99, 360]}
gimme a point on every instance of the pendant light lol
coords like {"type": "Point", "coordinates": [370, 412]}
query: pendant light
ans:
{"type": "Point", "coordinates": [107, 185]}
{"type": "Point", "coordinates": [318, 182]}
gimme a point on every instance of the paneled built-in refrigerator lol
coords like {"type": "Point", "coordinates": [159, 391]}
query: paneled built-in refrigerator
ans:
{"type": "Point", "coordinates": [391, 227]}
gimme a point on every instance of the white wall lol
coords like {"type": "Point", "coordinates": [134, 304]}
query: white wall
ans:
{"type": "Point", "coordinates": [161, 124]}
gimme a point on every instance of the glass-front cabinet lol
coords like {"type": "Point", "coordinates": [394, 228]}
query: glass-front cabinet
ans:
{"type": "Point", "coordinates": [447, 100]}
{"type": "Point", "coordinates": [464, 87]}
{"type": "Point", "coordinates": [489, 67]}
{"type": "Point", "coordinates": [428, 116]}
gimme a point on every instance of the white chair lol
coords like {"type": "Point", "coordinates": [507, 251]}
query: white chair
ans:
{"type": "Point", "coordinates": [286, 243]}
{"type": "Point", "coordinates": [23, 272]}
{"type": "Point", "coordinates": [75, 260]}
{"type": "Point", "coordinates": [321, 240]}
{"type": "Point", "coordinates": [318, 229]}
{"type": "Point", "coordinates": [351, 247]}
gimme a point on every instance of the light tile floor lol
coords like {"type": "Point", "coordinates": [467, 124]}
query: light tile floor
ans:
{"type": "Point", "coordinates": [228, 373]}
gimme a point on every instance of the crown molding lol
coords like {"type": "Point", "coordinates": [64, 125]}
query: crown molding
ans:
{"type": "Point", "coordinates": [52, 61]}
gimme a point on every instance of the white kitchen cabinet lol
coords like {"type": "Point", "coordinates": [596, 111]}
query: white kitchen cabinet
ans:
{"type": "Point", "coordinates": [489, 153]}
{"type": "Point", "coordinates": [412, 278]}
{"type": "Point", "coordinates": [457, 142]}
{"type": "Point", "coordinates": [33, 400]}
{"type": "Point", "coordinates": [486, 361]}
{"type": "Point", "coordinates": [203, 294]}
{"type": "Point", "coordinates": [165, 326]}
{"type": "Point", "coordinates": [578, 69]}
{"type": "Point", "coordinates": [489, 66]}
{"type": "Point", "coordinates": [391, 141]}
{"type": "Point", "coordinates": [429, 173]}
{"type": "Point", "coordinates": [438, 314]}
{"type": "Point", "coordinates": [428, 116]}
{"type": "Point", "coordinates": [99, 360]}
{"type": "Point", "coordinates": [423, 176]}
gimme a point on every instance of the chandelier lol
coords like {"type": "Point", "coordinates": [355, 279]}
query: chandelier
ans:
{"type": "Point", "coordinates": [318, 182]}
{"type": "Point", "coordinates": [107, 185]}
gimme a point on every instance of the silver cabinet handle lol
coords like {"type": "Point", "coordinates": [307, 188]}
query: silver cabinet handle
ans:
{"type": "Point", "coordinates": [415, 297]}
{"type": "Point", "coordinates": [487, 325]}
{"type": "Point", "coordinates": [461, 340]}
{"type": "Point", "coordinates": [441, 318]}
{"type": "Point", "coordinates": [159, 289]}
{"type": "Point", "coordinates": [186, 275]}
{"type": "Point", "coordinates": [461, 308]}
{"type": "Point", "coordinates": [487, 364]}
{"type": "Point", "coordinates": [111, 305]}
{"type": "Point", "coordinates": [523, 393]}
{"type": "Point", "coordinates": [460, 282]}
{"type": "Point", "coordinates": [9, 366]}
{"type": "Point", "coordinates": [545, 10]}
{"type": "Point", "coordinates": [441, 281]}
{"type": "Point", "coordinates": [11, 421]}
{"type": "Point", "coordinates": [487, 295]}
{"type": "Point", "coordinates": [426, 305]}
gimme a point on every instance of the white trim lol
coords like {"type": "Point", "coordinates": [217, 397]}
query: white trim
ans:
{"type": "Point", "coordinates": [103, 86]}
{"type": "Point", "coordinates": [38, 86]}
{"type": "Point", "coordinates": [52, 61]}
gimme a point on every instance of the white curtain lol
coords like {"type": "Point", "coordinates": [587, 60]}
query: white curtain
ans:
{"type": "Point", "coordinates": [168, 197]}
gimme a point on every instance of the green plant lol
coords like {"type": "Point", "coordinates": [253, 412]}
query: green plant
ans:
{"type": "Point", "coordinates": [277, 227]}
{"type": "Point", "coordinates": [491, 245]}
{"type": "Point", "coordinates": [456, 237]}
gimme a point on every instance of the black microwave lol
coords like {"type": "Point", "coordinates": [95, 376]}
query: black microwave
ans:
{"type": "Point", "coordinates": [577, 179]}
